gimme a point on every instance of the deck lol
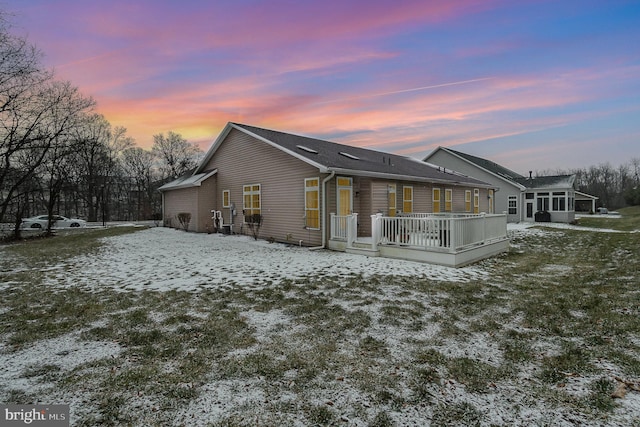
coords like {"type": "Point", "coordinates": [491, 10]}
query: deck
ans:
{"type": "Point", "coordinates": [448, 239]}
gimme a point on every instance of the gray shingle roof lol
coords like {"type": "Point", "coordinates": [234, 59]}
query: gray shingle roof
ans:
{"type": "Point", "coordinates": [551, 181]}
{"type": "Point", "coordinates": [357, 160]}
{"type": "Point", "coordinates": [488, 165]}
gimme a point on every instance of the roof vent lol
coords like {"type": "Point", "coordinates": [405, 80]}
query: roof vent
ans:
{"type": "Point", "coordinates": [350, 156]}
{"type": "Point", "coordinates": [307, 149]}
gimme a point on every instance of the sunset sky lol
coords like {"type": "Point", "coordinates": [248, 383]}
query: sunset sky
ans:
{"type": "Point", "coordinates": [533, 85]}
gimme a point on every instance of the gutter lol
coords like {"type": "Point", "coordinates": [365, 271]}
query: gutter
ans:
{"type": "Point", "coordinates": [324, 212]}
{"type": "Point", "coordinates": [385, 175]}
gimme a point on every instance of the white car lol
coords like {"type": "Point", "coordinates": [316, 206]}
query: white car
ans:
{"type": "Point", "coordinates": [41, 222]}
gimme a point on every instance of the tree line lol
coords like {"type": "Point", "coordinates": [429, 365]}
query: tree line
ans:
{"type": "Point", "coordinates": [58, 155]}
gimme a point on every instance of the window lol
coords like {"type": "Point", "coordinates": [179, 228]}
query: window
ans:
{"type": "Point", "coordinates": [513, 205]}
{"type": "Point", "coordinates": [467, 200]}
{"type": "Point", "coordinates": [391, 190]}
{"type": "Point", "coordinates": [251, 203]}
{"type": "Point", "coordinates": [490, 196]}
{"type": "Point", "coordinates": [407, 199]}
{"type": "Point", "coordinates": [436, 200]}
{"type": "Point", "coordinates": [312, 202]}
{"type": "Point", "coordinates": [226, 199]}
{"type": "Point", "coordinates": [476, 200]}
{"type": "Point", "coordinates": [543, 202]}
{"type": "Point", "coordinates": [448, 199]}
{"type": "Point", "coordinates": [344, 181]}
{"type": "Point", "coordinates": [572, 201]}
{"type": "Point", "coordinates": [558, 201]}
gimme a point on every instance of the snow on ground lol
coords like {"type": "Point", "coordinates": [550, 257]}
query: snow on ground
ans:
{"type": "Point", "coordinates": [164, 259]}
{"type": "Point", "coordinates": [64, 353]}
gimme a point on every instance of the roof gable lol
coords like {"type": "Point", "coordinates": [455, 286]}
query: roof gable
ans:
{"type": "Point", "coordinates": [186, 181]}
{"type": "Point", "coordinates": [329, 156]}
{"type": "Point", "coordinates": [485, 164]}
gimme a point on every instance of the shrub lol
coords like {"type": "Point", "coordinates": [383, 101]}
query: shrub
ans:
{"type": "Point", "coordinates": [184, 218]}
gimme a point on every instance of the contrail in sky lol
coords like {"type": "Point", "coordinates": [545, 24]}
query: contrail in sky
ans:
{"type": "Point", "coordinates": [415, 89]}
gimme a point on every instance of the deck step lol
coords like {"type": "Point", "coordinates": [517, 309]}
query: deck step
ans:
{"type": "Point", "coordinates": [361, 245]}
{"type": "Point", "coordinates": [362, 251]}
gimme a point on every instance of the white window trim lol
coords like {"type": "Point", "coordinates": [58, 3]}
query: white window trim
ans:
{"type": "Point", "coordinates": [433, 199]}
{"type": "Point", "coordinates": [513, 199]}
{"type": "Point", "coordinates": [407, 200]}
{"type": "Point", "coordinates": [317, 190]}
{"type": "Point", "coordinates": [228, 193]}
{"type": "Point", "coordinates": [392, 189]}
{"type": "Point", "coordinates": [448, 198]}
{"type": "Point", "coordinates": [251, 193]}
{"type": "Point", "coordinates": [476, 200]}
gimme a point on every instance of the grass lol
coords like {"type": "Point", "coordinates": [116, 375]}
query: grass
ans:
{"type": "Point", "coordinates": [629, 221]}
{"type": "Point", "coordinates": [549, 329]}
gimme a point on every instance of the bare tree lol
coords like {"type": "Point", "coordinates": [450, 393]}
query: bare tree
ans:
{"type": "Point", "coordinates": [21, 76]}
{"type": "Point", "coordinates": [93, 160]}
{"type": "Point", "coordinates": [36, 112]}
{"type": "Point", "coordinates": [138, 166]}
{"type": "Point", "coordinates": [176, 154]}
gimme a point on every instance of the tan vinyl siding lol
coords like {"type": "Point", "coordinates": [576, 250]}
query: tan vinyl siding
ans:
{"type": "Point", "coordinates": [421, 197]}
{"type": "Point", "coordinates": [242, 160]}
{"type": "Point", "coordinates": [177, 201]}
{"type": "Point", "coordinates": [364, 197]}
{"type": "Point", "coordinates": [206, 203]}
{"type": "Point", "coordinates": [380, 197]}
{"type": "Point", "coordinates": [458, 199]}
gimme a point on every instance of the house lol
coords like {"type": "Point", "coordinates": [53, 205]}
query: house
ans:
{"type": "Point", "coordinates": [543, 198]}
{"type": "Point", "coordinates": [312, 192]}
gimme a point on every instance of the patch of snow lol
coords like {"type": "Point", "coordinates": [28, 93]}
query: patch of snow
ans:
{"type": "Point", "coordinates": [65, 352]}
{"type": "Point", "coordinates": [163, 259]}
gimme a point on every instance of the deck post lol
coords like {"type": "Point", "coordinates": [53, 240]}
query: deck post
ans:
{"type": "Point", "coordinates": [484, 228]}
{"type": "Point", "coordinates": [332, 231]}
{"type": "Point", "coordinates": [376, 230]}
{"type": "Point", "coordinates": [352, 229]}
{"type": "Point", "coordinates": [453, 238]}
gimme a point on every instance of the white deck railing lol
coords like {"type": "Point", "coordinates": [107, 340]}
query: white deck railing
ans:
{"type": "Point", "coordinates": [443, 232]}
{"type": "Point", "coordinates": [446, 232]}
{"type": "Point", "coordinates": [344, 227]}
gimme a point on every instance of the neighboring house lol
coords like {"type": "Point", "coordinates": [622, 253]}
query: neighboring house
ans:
{"type": "Point", "coordinates": [522, 198]}
{"type": "Point", "coordinates": [293, 184]}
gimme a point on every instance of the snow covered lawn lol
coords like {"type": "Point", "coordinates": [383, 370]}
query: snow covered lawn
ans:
{"type": "Point", "coordinates": [165, 327]}
{"type": "Point", "coordinates": [163, 259]}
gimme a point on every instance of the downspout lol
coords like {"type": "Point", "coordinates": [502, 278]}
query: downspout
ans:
{"type": "Point", "coordinates": [163, 216]}
{"type": "Point", "coordinates": [324, 212]}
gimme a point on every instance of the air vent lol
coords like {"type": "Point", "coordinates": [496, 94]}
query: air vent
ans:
{"type": "Point", "coordinates": [307, 149]}
{"type": "Point", "coordinates": [350, 156]}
